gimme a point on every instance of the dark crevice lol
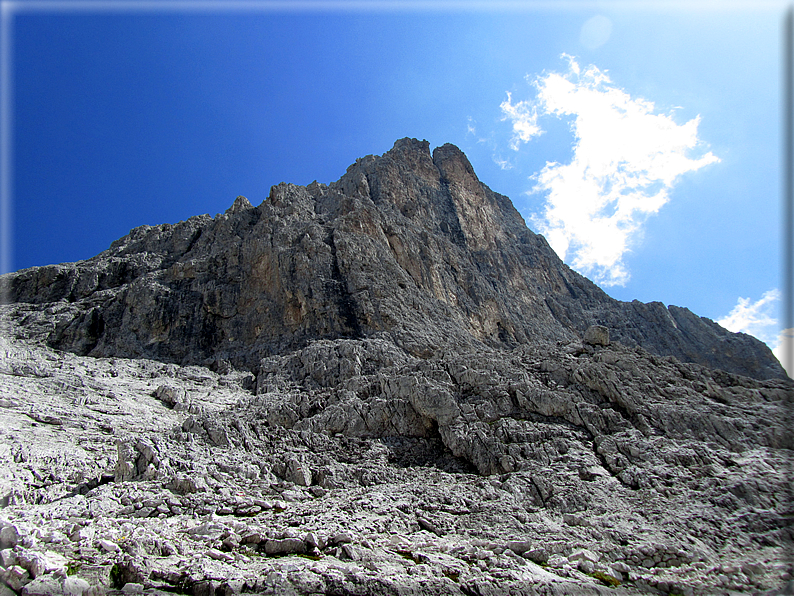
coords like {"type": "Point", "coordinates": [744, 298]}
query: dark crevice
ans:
{"type": "Point", "coordinates": [84, 488]}
{"type": "Point", "coordinates": [193, 240]}
{"type": "Point", "coordinates": [344, 300]}
{"type": "Point", "coordinates": [426, 452]}
{"type": "Point", "coordinates": [96, 327]}
{"type": "Point", "coordinates": [450, 225]}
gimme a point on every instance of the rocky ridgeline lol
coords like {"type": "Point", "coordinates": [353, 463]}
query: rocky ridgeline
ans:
{"type": "Point", "coordinates": [387, 385]}
{"type": "Point", "coordinates": [408, 245]}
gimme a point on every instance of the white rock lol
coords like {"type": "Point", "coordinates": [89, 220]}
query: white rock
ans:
{"type": "Point", "coordinates": [557, 561]}
{"type": "Point", "coordinates": [313, 540]}
{"type": "Point", "coordinates": [75, 586]}
{"type": "Point", "coordinates": [16, 577]}
{"type": "Point", "coordinates": [214, 553]}
{"type": "Point", "coordinates": [108, 546]}
{"type": "Point", "coordinates": [299, 472]}
{"type": "Point", "coordinates": [54, 562]}
{"type": "Point", "coordinates": [584, 555]}
{"type": "Point", "coordinates": [46, 585]}
{"type": "Point", "coordinates": [9, 535]}
{"type": "Point", "coordinates": [54, 537]}
{"type": "Point", "coordinates": [519, 546]}
{"type": "Point", "coordinates": [285, 546]}
{"type": "Point", "coordinates": [7, 557]}
{"type": "Point", "coordinates": [615, 573]}
{"type": "Point", "coordinates": [621, 567]}
{"type": "Point", "coordinates": [32, 561]}
{"type": "Point", "coordinates": [341, 538]}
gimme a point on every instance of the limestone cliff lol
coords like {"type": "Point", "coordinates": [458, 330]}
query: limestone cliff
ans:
{"type": "Point", "coordinates": [408, 246]}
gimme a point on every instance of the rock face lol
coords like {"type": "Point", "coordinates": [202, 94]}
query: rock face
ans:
{"type": "Point", "coordinates": [407, 246]}
{"type": "Point", "coordinates": [384, 386]}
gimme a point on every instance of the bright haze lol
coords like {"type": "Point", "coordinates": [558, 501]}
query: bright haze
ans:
{"type": "Point", "coordinates": [644, 141]}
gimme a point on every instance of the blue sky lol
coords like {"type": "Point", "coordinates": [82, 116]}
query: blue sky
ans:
{"type": "Point", "coordinates": [142, 113]}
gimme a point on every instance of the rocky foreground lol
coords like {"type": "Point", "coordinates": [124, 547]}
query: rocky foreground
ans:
{"type": "Point", "coordinates": [351, 467]}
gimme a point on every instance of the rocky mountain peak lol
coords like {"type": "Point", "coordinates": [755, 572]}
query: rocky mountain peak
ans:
{"type": "Point", "coordinates": [406, 245]}
{"type": "Point", "coordinates": [440, 191]}
{"type": "Point", "coordinates": [240, 204]}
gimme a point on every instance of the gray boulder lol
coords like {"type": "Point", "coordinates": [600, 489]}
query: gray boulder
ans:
{"type": "Point", "coordinates": [597, 335]}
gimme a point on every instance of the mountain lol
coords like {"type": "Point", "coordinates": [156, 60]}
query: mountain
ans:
{"type": "Point", "coordinates": [385, 385]}
{"type": "Point", "coordinates": [407, 246]}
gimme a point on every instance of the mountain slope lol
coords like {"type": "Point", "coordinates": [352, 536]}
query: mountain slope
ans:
{"type": "Point", "coordinates": [409, 246]}
{"type": "Point", "coordinates": [427, 411]}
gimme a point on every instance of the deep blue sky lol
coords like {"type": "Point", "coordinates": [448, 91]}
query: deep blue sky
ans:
{"type": "Point", "coordinates": [124, 117]}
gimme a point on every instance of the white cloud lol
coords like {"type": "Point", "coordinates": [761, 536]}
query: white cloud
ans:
{"type": "Point", "coordinates": [503, 164]}
{"type": "Point", "coordinates": [758, 319]}
{"type": "Point", "coordinates": [755, 318]}
{"type": "Point", "coordinates": [626, 159]}
{"type": "Point", "coordinates": [470, 129]}
{"type": "Point", "coordinates": [524, 116]}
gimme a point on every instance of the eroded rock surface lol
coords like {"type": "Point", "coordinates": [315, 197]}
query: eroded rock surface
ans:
{"type": "Point", "coordinates": [351, 466]}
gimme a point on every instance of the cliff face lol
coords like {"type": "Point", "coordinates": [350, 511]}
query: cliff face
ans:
{"type": "Point", "coordinates": [407, 246]}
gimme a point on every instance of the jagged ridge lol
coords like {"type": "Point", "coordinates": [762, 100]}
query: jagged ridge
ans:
{"type": "Point", "coordinates": [408, 246]}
